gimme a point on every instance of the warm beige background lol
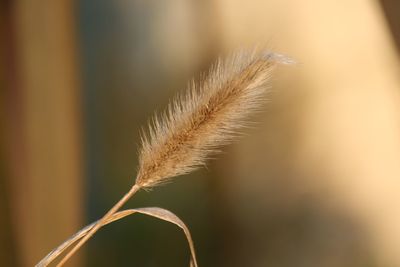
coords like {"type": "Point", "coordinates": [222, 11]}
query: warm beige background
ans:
{"type": "Point", "coordinates": [316, 183]}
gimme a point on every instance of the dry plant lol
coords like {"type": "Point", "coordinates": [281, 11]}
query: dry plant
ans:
{"type": "Point", "coordinates": [208, 115]}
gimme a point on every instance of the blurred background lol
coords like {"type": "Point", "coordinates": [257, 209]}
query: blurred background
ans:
{"type": "Point", "coordinates": [316, 183]}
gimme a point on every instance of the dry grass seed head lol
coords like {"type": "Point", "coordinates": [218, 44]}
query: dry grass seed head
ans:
{"type": "Point", "coordinates": [205, 117]}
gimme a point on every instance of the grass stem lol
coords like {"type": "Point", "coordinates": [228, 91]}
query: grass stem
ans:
{"type": "Point", "coordinates": [100, 223]}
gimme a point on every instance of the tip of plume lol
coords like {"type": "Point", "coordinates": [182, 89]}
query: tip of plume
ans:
{"type": "Point", "coordinates": [279, 58]}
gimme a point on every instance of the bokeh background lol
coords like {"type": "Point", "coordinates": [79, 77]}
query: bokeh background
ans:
{"type": "Point", "coordinates": [316, 183]}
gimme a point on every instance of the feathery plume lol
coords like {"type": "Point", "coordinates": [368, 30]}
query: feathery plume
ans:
{"type": "Point", "coordinates": [205, 117]}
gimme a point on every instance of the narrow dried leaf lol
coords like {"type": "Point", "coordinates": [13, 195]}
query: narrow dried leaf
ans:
{"type": "Point", "coordinates": [156, 212]}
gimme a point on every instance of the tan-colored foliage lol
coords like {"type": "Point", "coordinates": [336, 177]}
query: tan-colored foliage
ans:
{"type": "Point", "coordinates": [205, 117]}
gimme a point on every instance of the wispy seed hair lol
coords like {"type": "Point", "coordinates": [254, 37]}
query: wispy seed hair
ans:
{"type": "Point", "coordinates": [206, 116]}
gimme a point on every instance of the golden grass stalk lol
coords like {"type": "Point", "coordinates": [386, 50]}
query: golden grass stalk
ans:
{"type": "Point", "coordinates": [197, 122]}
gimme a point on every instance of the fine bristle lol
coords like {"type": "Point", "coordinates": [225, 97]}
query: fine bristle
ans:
{"type": "Point", "coordinates": [207, 116]}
